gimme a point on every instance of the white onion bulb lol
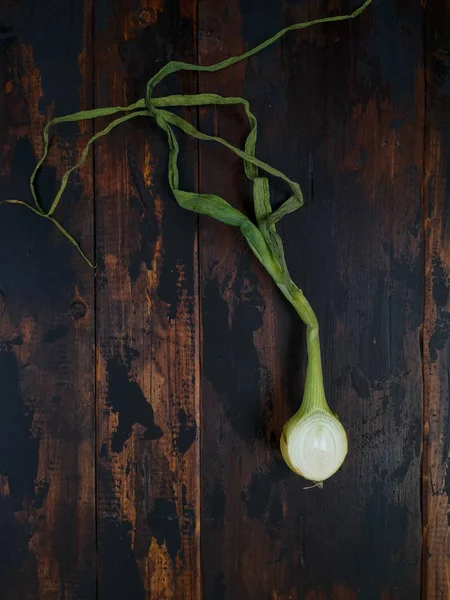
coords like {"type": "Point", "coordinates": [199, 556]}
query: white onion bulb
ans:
{"type": "Point", "coordinates": [314, 445]}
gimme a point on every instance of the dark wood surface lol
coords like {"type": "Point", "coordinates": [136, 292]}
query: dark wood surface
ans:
{"type": "Point", "coordinates": [141, 404]}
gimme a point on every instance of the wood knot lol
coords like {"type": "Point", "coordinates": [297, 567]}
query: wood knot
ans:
{"type": "Point", "coordinates": [147, 16]}
{"type": "Point", "coordinates": [78, 309]}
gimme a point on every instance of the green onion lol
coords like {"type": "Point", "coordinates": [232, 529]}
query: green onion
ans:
{"type": "Point", "coordinates": [313, 442]}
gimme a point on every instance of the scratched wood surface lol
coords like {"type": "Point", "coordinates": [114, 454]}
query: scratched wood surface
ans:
{"type": "Point", "coordinates": [437, 323]}
{"type": "Point", "coordinates": [338, 115]}
{"type": "Point", "coordinates": [141, 406]}
{"type": "Point", "coordinates": [147, 322]}
{"type": "Point", "coordinates": [47, 402]}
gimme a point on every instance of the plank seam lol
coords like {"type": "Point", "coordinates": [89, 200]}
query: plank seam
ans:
{"type": "Point", "coordinates": [424, 458]}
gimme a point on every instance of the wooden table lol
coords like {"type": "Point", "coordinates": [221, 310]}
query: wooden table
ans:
{"type": "Point", "coordinates": [141, 404]}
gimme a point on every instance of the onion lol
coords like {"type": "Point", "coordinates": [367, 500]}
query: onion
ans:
{"type": "Point", "coordinates": [314, 445]}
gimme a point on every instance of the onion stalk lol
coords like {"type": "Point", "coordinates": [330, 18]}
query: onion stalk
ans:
{"type": "Point", "coordinates": [313, 441]}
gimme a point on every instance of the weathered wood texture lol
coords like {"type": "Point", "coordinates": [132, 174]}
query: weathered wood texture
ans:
{"type": "Point", "coordinates": [437, 304]}
{"type": "Point", "coordinates": [340, 114]}
{"type": "Point", "coordinates": [47, 403]}
{"type": "Point", "coordinates": [147, 321]}
{"type": "Point", "coordinates": [104, 460]}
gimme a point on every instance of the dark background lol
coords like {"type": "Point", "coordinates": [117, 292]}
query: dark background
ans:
{"type": "Point", "coordinates": [141, 404]}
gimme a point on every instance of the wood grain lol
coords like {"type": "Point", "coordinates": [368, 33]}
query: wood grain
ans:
{"type": "Point", "coordinates": [102, 473]}
{"type": "Point", "coordinates": [437, 323]}
{"type": "Point", "coordinates": [345, 120]}
{"type": "Point", "coordinates": [47, 427]}
{"type": "Point", "coordinates": [147, 321]}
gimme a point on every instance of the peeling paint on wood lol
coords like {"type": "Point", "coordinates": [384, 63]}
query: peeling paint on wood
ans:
{"type": "Point", "coordinates": [147, 325]}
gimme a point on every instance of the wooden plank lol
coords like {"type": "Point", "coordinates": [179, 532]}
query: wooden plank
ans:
{"type": "Point", "coordinates": [147, 320]}
{"type": "Point", "coordinates": [340, 110]}
{"type": "Point", "coordinates": [47, 407]}
{"type": "Point", "coordinates": [437, 304]}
